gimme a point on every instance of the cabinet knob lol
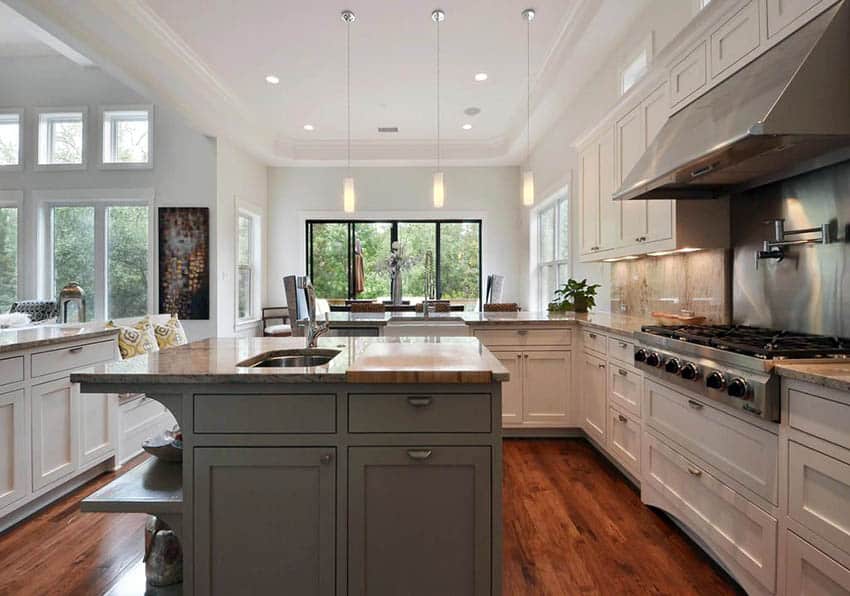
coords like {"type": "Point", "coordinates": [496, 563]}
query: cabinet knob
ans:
{"type": "Point", "coordinates": [622, 418]}
{"type": "Point", "coordinates": [326, 458]}
{"type": "Point", "coordinates": [601, 365]}
{"type": "Point", "coordinates": [694, 471]}
{"type": "Point", "coordinates": [622, 372]}
{"type": "Point", "coordinates": [419, 454]}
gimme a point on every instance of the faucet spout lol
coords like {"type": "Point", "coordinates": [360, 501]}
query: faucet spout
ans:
{"type": "Point", "coordinates": [314, 329]}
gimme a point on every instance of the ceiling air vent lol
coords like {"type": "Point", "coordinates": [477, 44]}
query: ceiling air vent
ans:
{"type": "Point", "coordinates": [388, 129]}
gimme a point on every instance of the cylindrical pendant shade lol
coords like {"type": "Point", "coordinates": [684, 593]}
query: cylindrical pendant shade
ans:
{"type": "Point", "coordinates": [439, 190]}
{"type": "Point", "coordinates": [528, 188]}
{"type": "Point", "coordinates": [348, 198]}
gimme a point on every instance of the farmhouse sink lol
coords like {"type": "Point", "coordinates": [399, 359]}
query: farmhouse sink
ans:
{"type": "Point", "coordinates": [290, 358]}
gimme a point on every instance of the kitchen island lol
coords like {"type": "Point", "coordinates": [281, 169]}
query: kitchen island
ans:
{"type": "Point", "coordinates": [378, 471]}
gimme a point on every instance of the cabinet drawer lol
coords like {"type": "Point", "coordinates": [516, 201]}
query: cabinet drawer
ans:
{"type": "Point", "coordinates": [624, 440]}
{"type": "Point", "coordinates": [525, 337]}
{"type": "Point", "coordinates": [734, 39]}
{"type": "Point", "coordinates": [11, 370]}
{"type": "Point", "coordinates": [265, 413]}
{"type": "Point", "coordinates": [621, 350]}
{"type": "Point", "coordinates": [819, 493]}
{"type": "Point", "coordinates": [404, 413]}
{"type": "Point", "coordinates": [688, 76]}
{"type": "Point", "coordinates": [595, 341]}
{"type": "Point", "coordinates": [819, 416]}
{"type": "Point", "coordinates": [625, 386]}
{"type": "Point", "coordinates": [811, 572]}
{"type": "Point", "coordinates": [71, 357]}
{"type": "Point", "coordinates": [739, 531]}
{"type": "Point", "coordinates": [746, 453]}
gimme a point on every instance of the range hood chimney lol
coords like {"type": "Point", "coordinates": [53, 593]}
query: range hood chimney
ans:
{"type": "Point", "coordinates": [785, 113]}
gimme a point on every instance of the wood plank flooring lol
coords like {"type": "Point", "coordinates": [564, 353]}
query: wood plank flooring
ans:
{"type": "Point", "coordinates": [573, 525]}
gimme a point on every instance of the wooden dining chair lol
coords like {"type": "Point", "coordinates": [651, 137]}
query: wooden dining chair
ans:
{"type": "Point", "coordinates": [437, 306]}
{"type": "Point", "coordinates": [502, 307]}
{"type": "Point", "coordinates": [368, 307]}
{"type": "Point", "coordinates": [276, 321]}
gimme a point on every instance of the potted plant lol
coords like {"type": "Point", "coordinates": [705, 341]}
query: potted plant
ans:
{"type": "Point", "coordinates": [578, 296]}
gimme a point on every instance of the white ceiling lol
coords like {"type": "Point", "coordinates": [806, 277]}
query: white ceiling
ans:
{"type": "Point", "coordinates": [209, 58]}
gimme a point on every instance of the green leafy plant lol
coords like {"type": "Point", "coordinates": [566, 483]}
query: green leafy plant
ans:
{"type": "Point", "coordinates": [578, 296]}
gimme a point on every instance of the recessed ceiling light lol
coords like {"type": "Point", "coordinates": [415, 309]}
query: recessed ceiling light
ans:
{"type": "Point", "coordinates": [481, 76]}
{"type": "Point", "coordinates": [272, 80]}
{"type": "Point", "coordinates": [472, 111]}
{"type": "Point", "coordinates": [467, 126]}
{"type": "Point", "coordinates": [309, 127]}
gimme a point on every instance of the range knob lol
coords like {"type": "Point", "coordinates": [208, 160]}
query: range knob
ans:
{"type": "Point", "coordinates": [690, 372]}
{"type": "Point", "coordinates": [640, 355]}
{"type": "Point", "coordinates": [738, 387]}
{"type": "Point", "coordinates": [653, 359]}
{"type": "Point", "coordinates": [673, 365]}
{"type": "Point", "coordinates": [715, 380]}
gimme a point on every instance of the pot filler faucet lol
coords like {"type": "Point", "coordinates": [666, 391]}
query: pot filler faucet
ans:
{"type": "Point", "coordinates": [314, 329]}
{"type": "Point", "coordinates": [775, 249]}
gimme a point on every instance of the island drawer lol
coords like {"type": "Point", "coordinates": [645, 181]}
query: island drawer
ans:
{"type": "Point", "coordinates": [417, 413]}
{"type": "Point", "coordinates": [595, 341]}
{"type": "Point", "coordinates": [11, 370]}
{"type": "Point", "coordinates": [622, 350]}
{"type": "Point", "coordinates": [539, 336]}
{"type": "Point", "coordinates": [71, 357]}
{"type": "Point", "coordinates": [269, 413]}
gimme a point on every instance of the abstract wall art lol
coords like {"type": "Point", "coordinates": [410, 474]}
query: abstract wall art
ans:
{"type": "Point", "coordinates": [184, 262]}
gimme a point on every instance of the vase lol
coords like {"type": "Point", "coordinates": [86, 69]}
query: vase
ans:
{"type": "Point", "coordinates": [580, 304]}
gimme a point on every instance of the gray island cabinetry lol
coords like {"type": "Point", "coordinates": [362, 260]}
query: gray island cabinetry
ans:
{"type": "Point", "coordinates": [377, 473]}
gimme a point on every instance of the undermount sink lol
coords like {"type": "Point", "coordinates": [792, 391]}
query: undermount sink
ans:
{"type": "Point", "coordinates": [290, 358]}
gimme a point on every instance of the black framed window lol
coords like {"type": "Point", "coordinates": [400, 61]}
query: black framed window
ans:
{"type": "Point", "coordinates": [455, 244]}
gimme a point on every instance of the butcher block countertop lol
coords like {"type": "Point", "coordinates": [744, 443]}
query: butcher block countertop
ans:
{"type": "Point", "coordinates": [834, 374]}
{"type": "Point", "coordinates": [361, 360]}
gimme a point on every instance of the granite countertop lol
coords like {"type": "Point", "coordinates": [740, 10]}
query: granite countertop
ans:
{"type": "Point", "coordinates": [12, 340]}
{"type": "Point", "coordinates": [605, 321]}
{"type": "Point", "coordinates": [361, 360]}
{"type": "Point", "coordinates": [834, 374]}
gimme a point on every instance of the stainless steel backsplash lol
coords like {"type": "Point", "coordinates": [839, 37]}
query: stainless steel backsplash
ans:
{"type": "Point", "coordinates": [810, 290]}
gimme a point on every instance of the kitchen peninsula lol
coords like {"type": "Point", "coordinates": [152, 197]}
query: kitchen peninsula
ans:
{"type": "Point", "coordinates": [380, 468]}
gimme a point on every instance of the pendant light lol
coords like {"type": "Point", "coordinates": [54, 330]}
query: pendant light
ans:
{"type": "Point", "coordinates": [438, 16]}
{"type": "Point", "coordinates": [348, 195]}
{"type": "Point", "coordinates": [527, 175]}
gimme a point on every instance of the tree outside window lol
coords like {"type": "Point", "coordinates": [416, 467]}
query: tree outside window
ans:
{"type": "Point", "coordinates": [10, 139]}
{"type": "Point", "coordinates": [247, 267]}
{"type": "Point", "coordinates": [61, 138]}
{"type": "Point", "coordinates": [8, 257]}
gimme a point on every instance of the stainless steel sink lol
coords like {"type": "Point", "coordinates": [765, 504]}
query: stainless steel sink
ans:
{"type": "Point", "coordinates": [290, 358]}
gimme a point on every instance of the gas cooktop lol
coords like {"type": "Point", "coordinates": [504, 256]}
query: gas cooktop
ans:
{"type": "Point", "coordinates": [758, 342]}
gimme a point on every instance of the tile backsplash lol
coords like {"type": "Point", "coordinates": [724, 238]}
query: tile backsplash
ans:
{"type": "Point", "coordinates": [698, 282]}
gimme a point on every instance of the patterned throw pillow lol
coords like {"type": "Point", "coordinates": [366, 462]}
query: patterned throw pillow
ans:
{"type": "Point", "coordinates": [170, 334]}
{"type": "Point", "coordinates": [136, 340]}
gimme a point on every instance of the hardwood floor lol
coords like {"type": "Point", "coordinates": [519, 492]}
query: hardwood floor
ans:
{"type": "Point", "coordinates": [573, 525]}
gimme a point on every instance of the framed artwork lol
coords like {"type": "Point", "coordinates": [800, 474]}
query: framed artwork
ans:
{"type": "Point", "coordinates": [184, 262]}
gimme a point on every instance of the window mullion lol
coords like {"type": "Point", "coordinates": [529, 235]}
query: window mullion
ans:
{"type": "Point", "coordinates": [101, 311]}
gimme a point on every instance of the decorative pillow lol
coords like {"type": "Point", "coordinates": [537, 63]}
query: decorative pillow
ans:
{"type": "Point", "coordinates": [170, 334]}
{"type": "Point", "coordinates": [136, 340]}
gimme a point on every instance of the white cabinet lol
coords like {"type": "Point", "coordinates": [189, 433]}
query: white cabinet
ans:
{"type": "Point", "coordinates": [14, 442]}
{"type": "Point", "coordinates": [599, 216]}
{"type": "Point", "coordinates": [593, 398]}
{"type": "Point", "coordinates": [782, 14]}
{"type": "Point", "coordinates": [811, 572]}
{"type": "Point", "coordinates": [625, 388]}
{"type": "Point", "coordinates": [688, 76]}
{"type": "Point", "coordinates": [624, 434]}
{"type": "Point", "coordinates": [610, 211]}
{"type": "Point", "coordinates": [98, 415]}
{"type": "Point", "coordinates": [734, 39]}
{"type": "Point", "coordinates": [55, 432]}
{"type": "Point", "coordinates": [512, 389]}
{"type": "Point", "coordinates": [547, 377]}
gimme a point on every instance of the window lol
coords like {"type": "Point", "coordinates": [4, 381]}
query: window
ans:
{"type": "Point", "coordinates": [104, 247]}
{"type": "Point", "coordinates": [454, 244]}
{"type": "Point", "coordinates": [248, 266]}
{"type": "Point", "coordinates": [636, 66]}
{"type": "Point", "coordinates": [553, 253]}
{"type": "Point", "coordinates": [10, 139]}
{"type": "Point", "coordinates": [702, 4]}
{"type": "Point", "coordinates": [61, 139]}
{"type": "Point", "coordinates": [8, 256]}
{"type": "Point", "coordinates": [126, 137]}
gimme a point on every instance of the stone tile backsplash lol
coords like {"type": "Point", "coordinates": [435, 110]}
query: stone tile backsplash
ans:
{"type": "Point", "coordinates": [697, 282]}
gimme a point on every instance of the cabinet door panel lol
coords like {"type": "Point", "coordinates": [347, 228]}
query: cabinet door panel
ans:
{"type": "Point", "coordinates": [547, 381]}
{"type": "Point", "coordinates": [625, 389]}
{"type": "Point", "coordinates": [265, 520]}
{"type": "Point", "coordinates": [811, 572]}
{"type": "Point", "coordinates": [55, 432]}
{"type": "Point", "coordinates": [594, 408]}
{"type": "Point", "coordinates": [13, 444]}
{"type": "Point", "coordinates": [783, 13]}
{"type": "Point", "coordinates": [419, 521]}
{"type": "Point", "coordinates": [610, 210]}
{"type": "Point", "coordinates": [624, 440]}
{"type": "Point", "coordinates": [589, 200]}
{"type": "Point", "coordinates": [97, 431]}
{"type": "Point", "coordinates": [659, 214]}
{"type": "Point", "coordinates": [631, 142]}
{"type": "Point", "coordinates": [512, 390]}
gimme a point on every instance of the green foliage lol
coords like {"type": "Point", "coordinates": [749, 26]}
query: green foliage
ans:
{"type": "Point", "coordinates": [127, 270]}
{"type": "Point", "coordinates": [575, 295]}
{"type": "Point", "coordinates": [8, 257]}
{"type": "Point", "coordinates": [73, 251]}
{"type": "Point", "coordinates": [330, 260]}
{"type": "Point", "coordinates": [375, 239]}
{"type": "Point", "coordinates": [460, 261]}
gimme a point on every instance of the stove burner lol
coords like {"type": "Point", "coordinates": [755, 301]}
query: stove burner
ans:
{"type": "Point", "coordinates": [762, 343]}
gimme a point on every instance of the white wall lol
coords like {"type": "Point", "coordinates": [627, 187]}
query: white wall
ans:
{"type": "Point", "coordinates": [489, 193]}
{"type": "Point", "coordinates": [184, 172]}
{"type": "Point", "coordinates": [554, 160]}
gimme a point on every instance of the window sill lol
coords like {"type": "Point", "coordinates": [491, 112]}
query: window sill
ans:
{"type": "Point", "coordinates": [125, 166]}
{"type": "Point", "coordinates": [247, 323]}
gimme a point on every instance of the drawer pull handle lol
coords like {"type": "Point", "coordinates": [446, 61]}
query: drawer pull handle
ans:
{"type": "Point", "coordinates": [522, 332]}
{"type": "Point", "coordinates": [76, 350]}
{"type": "Point", "coordinates": [419, 454]}
{"type": "Point", "coordinates": [591, 335]}
{"type": "Point", "coordinates": [624, 345]}
{"type": "Point", "coordinates": [326, 459]}
{"type": "Point", "coordinates": [622, 372]}
{"type": "Point", "coordinates": [419, 402]}
{"type": "Point", "coordinates": [601, 365]}
{"type": "Point", "coordinates": [694, 471]}
{"type": "Point", "coordinates": [695, 404]}
{"type": "Point", "coordinates": [622, 418]}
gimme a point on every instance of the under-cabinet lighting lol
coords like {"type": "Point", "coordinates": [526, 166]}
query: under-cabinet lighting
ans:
{"type": "Point", "coordinates": [272, 80]}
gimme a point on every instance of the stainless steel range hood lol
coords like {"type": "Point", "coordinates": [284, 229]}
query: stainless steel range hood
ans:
{"type": "Point", "coordinates": [785, 113]}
